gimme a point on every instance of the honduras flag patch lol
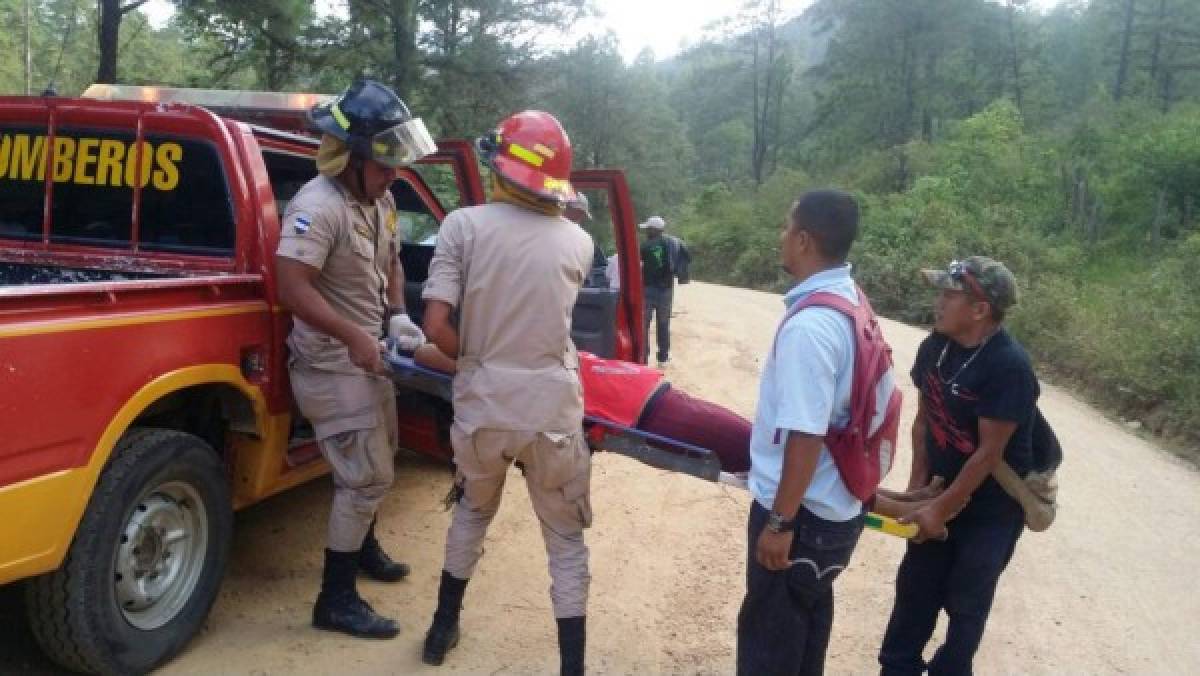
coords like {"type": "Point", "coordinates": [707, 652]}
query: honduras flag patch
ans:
{"type": "Point", "coordinates": [301, 223]}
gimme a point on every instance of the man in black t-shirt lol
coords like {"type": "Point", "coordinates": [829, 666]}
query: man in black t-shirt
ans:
{"type": "Point", "coordinates": [664, 257]}
{"type": "Point", "coordinates": [978, 393]}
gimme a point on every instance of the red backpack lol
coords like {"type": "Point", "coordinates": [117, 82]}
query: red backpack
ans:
{"type": "Point", "coordinates": [863, 455]}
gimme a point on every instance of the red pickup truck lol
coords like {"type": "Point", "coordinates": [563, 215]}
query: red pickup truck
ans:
{"type": "Point", "coordinates": [143, 388]}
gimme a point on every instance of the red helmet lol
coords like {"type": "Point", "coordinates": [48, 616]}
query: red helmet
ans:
{"type": "Point", "coordinates": [531, 150]}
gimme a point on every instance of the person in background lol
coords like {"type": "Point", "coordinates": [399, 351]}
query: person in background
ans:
{"type": "Point", "coordinates": [665, 258]}
{"type": "Point", "coordinates": [579, 211]}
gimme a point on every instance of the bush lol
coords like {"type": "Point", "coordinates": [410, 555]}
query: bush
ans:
{"type": "Point", "coordinates": [1114, 315]}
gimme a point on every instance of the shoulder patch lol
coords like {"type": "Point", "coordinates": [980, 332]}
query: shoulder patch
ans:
{"type": "Point", "coordinates": [301, 222]}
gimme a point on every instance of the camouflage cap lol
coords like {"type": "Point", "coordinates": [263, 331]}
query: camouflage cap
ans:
{"type": "Point", "coordinates": [994, 281]}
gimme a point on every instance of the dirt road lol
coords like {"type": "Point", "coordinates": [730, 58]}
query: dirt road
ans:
{"type": "Point", "coordinates": [1109, 589]}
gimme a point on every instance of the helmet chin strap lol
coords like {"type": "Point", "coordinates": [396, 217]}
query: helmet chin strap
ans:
{"type": "Point", "coordinates": [356, 180]}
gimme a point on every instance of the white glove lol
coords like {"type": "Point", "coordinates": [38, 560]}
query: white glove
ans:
{"type": "Point", "coordinates": [408, 335]}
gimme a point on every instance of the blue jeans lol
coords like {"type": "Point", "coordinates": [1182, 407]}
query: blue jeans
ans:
{"type": "Point", "coordinates": [658, 305]}
{"type": "Point", "coordinates": [786, 617]}
{"type": "Point", "coordinates": [958, 575]}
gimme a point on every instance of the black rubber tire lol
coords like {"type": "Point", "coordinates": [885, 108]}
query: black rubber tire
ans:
{"type": "Point", "coordinates": [74, 612]}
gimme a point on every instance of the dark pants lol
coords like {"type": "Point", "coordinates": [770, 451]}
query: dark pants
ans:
{"type": "Point", "coordinates": [786, 617]}
{"type": "Point", "coordinates": [674, 414]}
{"type": "Point", "coordinates": [958, 575]}
{"type": "Point", "coordinates": [658, 305]}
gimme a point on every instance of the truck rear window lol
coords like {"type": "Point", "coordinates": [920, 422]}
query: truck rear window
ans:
{"type": "Point", "coordinates": [184, 206]}
{"type": "Point", "coordinates": [22, 195]}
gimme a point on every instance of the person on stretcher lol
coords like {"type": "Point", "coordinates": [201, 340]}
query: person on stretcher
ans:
{"type": "Point", "coordinates": [638, 396]}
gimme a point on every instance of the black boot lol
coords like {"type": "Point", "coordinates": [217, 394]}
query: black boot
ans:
{"type": "Point", "coordinates": [572, 639]}
{"type": "Point", "coordinates": [339, 607]}
{"type": "Point", "coordinates": [375, 562]}
{"type": "Point", "coordinates": [443, 633]}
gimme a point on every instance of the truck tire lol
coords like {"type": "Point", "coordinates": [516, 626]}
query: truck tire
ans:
{"type": "Point", "coordinates": [146, 562]}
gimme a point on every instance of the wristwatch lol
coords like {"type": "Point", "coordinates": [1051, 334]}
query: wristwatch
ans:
{"type": "Point", "coordinates": [777, 524]}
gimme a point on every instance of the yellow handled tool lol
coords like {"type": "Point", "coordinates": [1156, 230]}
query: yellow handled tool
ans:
{"type": "Point", "coordinates": [886, 524]}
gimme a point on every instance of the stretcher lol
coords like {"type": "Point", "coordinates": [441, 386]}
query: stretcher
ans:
{"type": "Point", "coordinates": [645, 447]}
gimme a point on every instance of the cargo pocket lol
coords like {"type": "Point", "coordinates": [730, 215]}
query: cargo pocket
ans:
{"type": "Point", "coordinates": [349, 457]}
{"type": "Point", "coordinates": [560, 458]}
{"type": "Point", "coordinates": [565, 467]}
{"type": "Point", "coordinates": [578, 493]}
{"type": "Point", "coordinates": [336, 403]}
{"type": "Point", "coordinates": [479, 475]}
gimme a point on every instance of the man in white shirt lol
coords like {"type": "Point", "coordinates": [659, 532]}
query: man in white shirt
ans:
{"type": "Point", "coordinates": [804, 522]}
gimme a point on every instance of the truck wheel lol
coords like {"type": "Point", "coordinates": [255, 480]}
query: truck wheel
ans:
{"type": "Point", "coordinates": [146, 562]}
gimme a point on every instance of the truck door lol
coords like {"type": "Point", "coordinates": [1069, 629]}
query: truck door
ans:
{"type": "Point", "coordinates": [607, 320]}
{"type": "Point", "coordinates": [438, 184]}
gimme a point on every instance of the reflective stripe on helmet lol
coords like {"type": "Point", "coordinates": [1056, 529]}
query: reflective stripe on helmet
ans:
{"type": "Point", "coordinates": [338, 116]}
{"type": "Point", "coordinates": [525, 154]}
{"type": "Point", "coordinates": [556, 185]}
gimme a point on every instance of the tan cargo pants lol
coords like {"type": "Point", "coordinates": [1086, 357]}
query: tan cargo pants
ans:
{"type": "Point", "coordinates": [354, 418]}
{"type": "Point", "coordinates": [557, 471]}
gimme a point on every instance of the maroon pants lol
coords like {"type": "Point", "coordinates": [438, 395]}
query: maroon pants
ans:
{"type": "Point", "coordinates": [674, 414]}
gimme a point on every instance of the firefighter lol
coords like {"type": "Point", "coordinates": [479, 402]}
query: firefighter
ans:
{"type": "Point", "coordinates": [512, 269]}
{"type": "Point", "coordinates": [340, 277]}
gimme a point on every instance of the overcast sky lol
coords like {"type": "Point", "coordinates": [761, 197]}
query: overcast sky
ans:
{"type": "Point", "coordinates": [662, 25]}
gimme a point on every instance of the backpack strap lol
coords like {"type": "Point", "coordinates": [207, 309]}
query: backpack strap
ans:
{"type": "Point", "coordinates": [872, 355]}
{"type": "Point", "coordinates": [819, 299]}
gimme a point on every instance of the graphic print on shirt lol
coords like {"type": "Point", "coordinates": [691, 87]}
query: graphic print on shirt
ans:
{"type": "Point", "coordinates": [945, 431]}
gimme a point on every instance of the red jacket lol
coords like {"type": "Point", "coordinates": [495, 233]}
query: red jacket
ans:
{"type": "Point", "coordinates": [616, 390]}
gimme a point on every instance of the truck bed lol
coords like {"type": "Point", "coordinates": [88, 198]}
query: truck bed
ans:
{"type": "Point", "coordinates": [22, 274]}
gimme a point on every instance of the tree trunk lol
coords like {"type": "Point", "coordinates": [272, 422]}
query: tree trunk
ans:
{"type": "Point", "coordinates": [1067, 193]}
{"type": "Point", "coordinates": [28, 50]}
{"type": "Point", "coordinates": [1014, 56]}
{"type": "Point", "coordinates": [1093, 223]}
{"type": "Point", "coordinates": [1160, 24]}
{"type": "Point", "coordinates": [767, 71]}
{"type": "Point", "coordinates": [109, 32]}
{"type": "Point", "coordinates": [1167, 89]}
{"type": "Point", "coordinates": [1126, 40]}
{"type": "Point", "coordinates": [1079, 198]}
{"type": "Point", "coordinates": [755, 148]}
{"type": "Point", "coordinates": [1160, 214]}
{"type": "Point", "coordinates": [108, 29]}
{"type": "Point", "coordinates": [910, 89]}
{"type": "Point", "coordinates": [404, 46]}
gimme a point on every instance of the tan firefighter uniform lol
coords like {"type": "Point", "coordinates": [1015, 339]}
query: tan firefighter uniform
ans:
{"type": "Point", "coordinates": [513, 275]}
{"type": "Point", "coordinates": [353, 413]}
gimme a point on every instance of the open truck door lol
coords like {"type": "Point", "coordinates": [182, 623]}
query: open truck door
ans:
{"type": "Point", "coordinates": [608, 322]}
